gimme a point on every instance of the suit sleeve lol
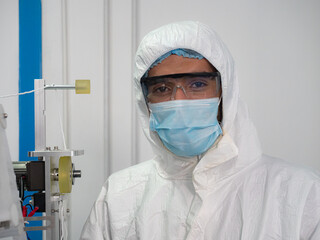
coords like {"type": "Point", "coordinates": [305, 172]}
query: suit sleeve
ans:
{"type": "Point", "coordinates": [97, 224]}
{"type": "Point", "coordinates": [310, 223]}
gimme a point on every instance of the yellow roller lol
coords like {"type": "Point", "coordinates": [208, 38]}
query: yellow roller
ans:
{"type": "Point", "coordinates": [65, 174]}
{"type": "Point", "coordinates": [82, 86]}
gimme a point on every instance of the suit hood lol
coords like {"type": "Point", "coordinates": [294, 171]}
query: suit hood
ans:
{"type": "Point", "coordinates": [239, 141]}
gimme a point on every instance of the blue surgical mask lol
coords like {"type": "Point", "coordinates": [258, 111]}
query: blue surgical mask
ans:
{"type": "Point", "coordinates": [186, 127]}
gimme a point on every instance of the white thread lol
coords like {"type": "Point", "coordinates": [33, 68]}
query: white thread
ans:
{"type": "Point", "coordinates": [60, 121]}
{"type": "Point", "coordinates": [62, 221]}
{"type": "Point", "coordinates": [23, 93]}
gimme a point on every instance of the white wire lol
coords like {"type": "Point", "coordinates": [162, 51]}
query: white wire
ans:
{"type": "Point", "coordinates": [60, 121]}
{"type": "Point", "coordinates": [23, 93]}
{"type": "Point", "coordinates": [62, 221]}
{"type": "Point", "coordinates": [60, 203]}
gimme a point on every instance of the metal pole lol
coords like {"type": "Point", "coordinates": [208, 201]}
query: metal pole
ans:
{"type": "Point", "coordinates": [39, 115]}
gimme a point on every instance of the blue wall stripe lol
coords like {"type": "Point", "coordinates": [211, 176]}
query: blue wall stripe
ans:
{"type": "Point", "coordinates": [30, 68]}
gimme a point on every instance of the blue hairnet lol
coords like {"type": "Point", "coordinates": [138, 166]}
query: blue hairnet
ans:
{"type": "Point", "coordinates": [180, 52]}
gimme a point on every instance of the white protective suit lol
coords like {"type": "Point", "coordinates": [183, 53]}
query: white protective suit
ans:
{"type": "Point", "coordinates": [233, 192]}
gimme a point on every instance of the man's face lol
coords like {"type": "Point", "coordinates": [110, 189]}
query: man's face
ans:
{"type": "Point", "coordinates": [177, 64]}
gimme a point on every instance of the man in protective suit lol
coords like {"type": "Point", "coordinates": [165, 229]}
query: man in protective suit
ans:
{"type": "Point", "coordinates": [209, 178]}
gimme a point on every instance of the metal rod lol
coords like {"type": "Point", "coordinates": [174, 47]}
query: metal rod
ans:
{"type": "Point", "coordinates": [53, 87]}
{"type": "Point", "coordinates": [39, 115]}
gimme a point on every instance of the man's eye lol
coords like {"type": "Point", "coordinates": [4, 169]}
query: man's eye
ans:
{"type": "Point", "coordinates": [198, 84]}
{"type": "Point", "coordinates": [161, 89]}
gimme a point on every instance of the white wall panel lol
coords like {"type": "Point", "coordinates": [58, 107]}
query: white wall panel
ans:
{"type": "Point", "coordinates": [9, 70]}
{"type": "Point", "coordinates": [86, 61]}
{"type": "Point", "coordinates": [120, 84]}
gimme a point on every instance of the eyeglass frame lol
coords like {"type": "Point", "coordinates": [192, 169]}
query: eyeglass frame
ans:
{"type": "Point", "coordinates": [144, 81]}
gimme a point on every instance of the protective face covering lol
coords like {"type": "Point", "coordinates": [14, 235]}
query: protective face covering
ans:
{"type": "Point", "coordinates": [231, 192]}
{"type": "Point", "coordinates": [186, 127]}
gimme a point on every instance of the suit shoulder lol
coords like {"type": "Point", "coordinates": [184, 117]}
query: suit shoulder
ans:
{"type": "Point", "coordinates": [290, 169]}
{"type": "Point", "coordinates": [131, 177]}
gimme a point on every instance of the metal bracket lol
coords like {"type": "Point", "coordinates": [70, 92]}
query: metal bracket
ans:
{"type": "Point", "coordinates": [46, 227]}
{"type": "Point", "coordinates": [56, 153]}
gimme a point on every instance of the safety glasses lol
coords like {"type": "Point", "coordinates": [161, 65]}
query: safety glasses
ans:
{"type": "Point", "coordinates": [193, 85]}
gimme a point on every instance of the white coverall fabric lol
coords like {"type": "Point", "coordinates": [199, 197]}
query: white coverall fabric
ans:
{"type": "Point", "coordinates": [233, 192]}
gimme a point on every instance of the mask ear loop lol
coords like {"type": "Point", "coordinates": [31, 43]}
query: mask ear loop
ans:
{"type": "Point", "coordinates": [220, 113]}
{"type": "Point", "coordinates": [218, 87]}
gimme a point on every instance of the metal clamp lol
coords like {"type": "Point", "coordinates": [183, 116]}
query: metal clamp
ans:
{"type": "Point", "coordinates": [46, 227]}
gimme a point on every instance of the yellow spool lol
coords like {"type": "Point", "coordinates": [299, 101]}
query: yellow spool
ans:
{"type": "Point", "coordinates": [82, 86]}
{"type": "Point", "coordinates": [65, 174]}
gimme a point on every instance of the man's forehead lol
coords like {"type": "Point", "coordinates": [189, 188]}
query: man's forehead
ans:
{"type": "Point", "coordinates": [179, 64]}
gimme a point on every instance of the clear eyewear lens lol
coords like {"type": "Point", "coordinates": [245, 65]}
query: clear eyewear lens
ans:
{"type": "Point", "coordinates": [193, 86]}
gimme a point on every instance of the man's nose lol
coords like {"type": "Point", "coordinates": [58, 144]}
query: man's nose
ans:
{"type": "Point", "coordinates": [179, 94]}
